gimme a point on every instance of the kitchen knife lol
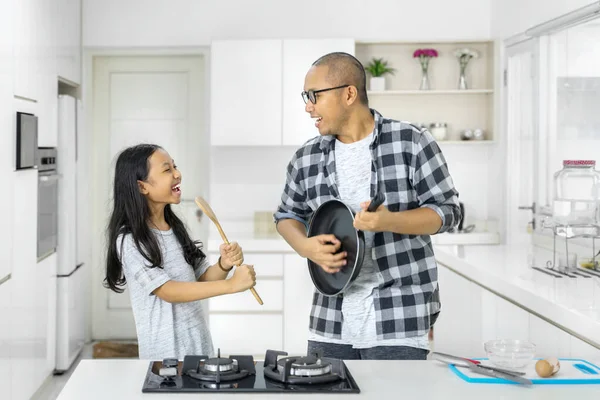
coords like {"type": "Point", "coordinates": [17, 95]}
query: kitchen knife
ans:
{"type": "Point", "coordinates": [497, 374]}
{"type": "Point", "coordinates": [466, 362]}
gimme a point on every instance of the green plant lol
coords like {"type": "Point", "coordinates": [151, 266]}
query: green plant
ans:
{"type": "Point", "coordinates": [377, 67]}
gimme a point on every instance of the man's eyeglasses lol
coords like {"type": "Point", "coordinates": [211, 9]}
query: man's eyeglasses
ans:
{"type": "Point", "coordinates": [312, 94]}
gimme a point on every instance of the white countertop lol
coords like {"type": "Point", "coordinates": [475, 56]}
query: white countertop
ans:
{"type": "Point", "coordinates": [276, 244]}
{"type": "Point", "coordinates": [123, 379]}
{"type": "Point", "coordinates": [573, 304]}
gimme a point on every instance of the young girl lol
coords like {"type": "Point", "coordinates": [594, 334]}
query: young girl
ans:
{"type": "Point", "coordinates": [165, 271]}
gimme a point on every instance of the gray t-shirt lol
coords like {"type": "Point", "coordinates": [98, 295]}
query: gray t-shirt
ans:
{"type": "Point", "coordinates": [353, 180]}
{"type": "Point", "coordinates": [164, 329]}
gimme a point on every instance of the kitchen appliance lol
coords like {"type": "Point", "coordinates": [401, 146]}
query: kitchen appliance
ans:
{"type": "Point", "coordinates": [71, 285]}
{"type": "Point", "coordinates": [336, 218]}
{"type": "Point", "coordinates": [241, 374]}
{"type": "Point", "coordinates": [27, 140]}
{"type": "Point", "coordinates": [47, 209]}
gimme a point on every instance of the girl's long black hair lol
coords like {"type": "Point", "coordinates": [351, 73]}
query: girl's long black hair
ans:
{"type": "Point", "coordinates": [131, 213]}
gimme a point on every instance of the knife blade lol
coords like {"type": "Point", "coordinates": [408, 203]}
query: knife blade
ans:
{"type": "Point", "coordinates": [502, 375]}
{"type": "Point", "coordinates": [464, 362]}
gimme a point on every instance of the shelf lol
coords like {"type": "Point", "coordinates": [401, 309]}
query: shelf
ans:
{"type": "Point", "coordinates": [428, 92]}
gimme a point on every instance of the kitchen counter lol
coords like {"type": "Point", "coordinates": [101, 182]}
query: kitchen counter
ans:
{"type": "Point", "coordinates": [123, 379]}
{"type": "Point", "coordinates": [572, 304]}
{"type": "Point", "coordinates": [275, 243]}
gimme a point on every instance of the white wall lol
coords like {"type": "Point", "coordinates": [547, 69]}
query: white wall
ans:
{"type": "Point", "coordinates": [122, 23]}
{"type": "Point", "coordinates": [511, 17]}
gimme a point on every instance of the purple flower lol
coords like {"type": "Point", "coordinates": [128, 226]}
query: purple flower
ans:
{"type": "Point", "coordinates": [425, 53]}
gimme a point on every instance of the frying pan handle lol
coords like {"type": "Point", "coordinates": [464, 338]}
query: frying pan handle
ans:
{"type": "Point", "coordinates": [376, 202]}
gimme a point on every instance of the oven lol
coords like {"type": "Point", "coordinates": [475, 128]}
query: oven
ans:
{"type": "Point", "coordinates": [47, 214]}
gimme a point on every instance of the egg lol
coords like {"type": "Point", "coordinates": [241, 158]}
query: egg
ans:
{"type": "Point", "coordinates": [548, 367]}
{"type": "Point", "coordinates": [555, 364]}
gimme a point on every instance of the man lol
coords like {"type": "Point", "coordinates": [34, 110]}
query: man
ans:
{"type": "Point", "coordinates": [388, 310]}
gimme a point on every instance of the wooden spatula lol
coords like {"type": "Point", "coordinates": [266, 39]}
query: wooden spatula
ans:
{"type": "Point", "coordinates": [203, 204]}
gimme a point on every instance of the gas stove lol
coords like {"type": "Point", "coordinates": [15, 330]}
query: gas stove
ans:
{"type": "Point", "coordinates": [310, 373]}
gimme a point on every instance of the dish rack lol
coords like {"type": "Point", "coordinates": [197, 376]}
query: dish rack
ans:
{"type": "Point", "coordinates": [572, 231]}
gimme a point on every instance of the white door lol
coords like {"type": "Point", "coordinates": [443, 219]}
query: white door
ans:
{"type": "Point", "coordinates": [159, 100]}
{"type": "Point", "coordinates": [522, 140]}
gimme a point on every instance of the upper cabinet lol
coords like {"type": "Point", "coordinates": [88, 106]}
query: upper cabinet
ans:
{"type": "Point", "coordinates": [246, 92]}
{"type": "Point", "coordinates": [298, 56]}
{"type": "Point", "coordinates": [68, 40]}
{"type": "Point", "coordinates": [34, 42]}
{"type": "Point", "coordinates": [35, 62]}
{"type": "Point", "coordinates": [256, 90]}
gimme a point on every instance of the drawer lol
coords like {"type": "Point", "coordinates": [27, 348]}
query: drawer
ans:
{"type": "Point", "coordinates": [270, 291]}
{"type": "Point", "coordinates": [246, 333]}
{"type": "Point", "coordinates": [265, 265]}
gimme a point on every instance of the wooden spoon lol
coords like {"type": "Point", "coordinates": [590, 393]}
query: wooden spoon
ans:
{"type": "Point", "coordinates": [205, 207]}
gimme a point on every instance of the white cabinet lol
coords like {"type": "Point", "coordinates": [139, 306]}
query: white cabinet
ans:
{"type": "Point", "coordinates": [242, 334]}
{"type": "Point", "coordinates": [298, 57]}
{"type": "Point", "coordinates": [458, 328]}
{"type": "Point", "coordinates": [27, 48]}
{"type": "Point", "coordinates": [5, 341]}
{"type": "Point", "coordinates": [68, 40]}
{"type": "Point", "coordinates": [284, 284]}
{"type": "Point", "coordinates": [246, 92]}
{"type": "Point", "coordinates": [298, 292]}
{"type": "Point", "coordinates": [472, 315]}
{"type": "Point", "coordinates": [256, 86]}
{"type": "Point", "coordinates": [35, 62]}
{"type": "Point", "coordinates": [549, 340]}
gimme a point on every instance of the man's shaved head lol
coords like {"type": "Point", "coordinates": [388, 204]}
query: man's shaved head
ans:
{"type": "Point", "coordinates": [345, 69]}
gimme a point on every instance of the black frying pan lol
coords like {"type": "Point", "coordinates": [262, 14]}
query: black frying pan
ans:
{"type": "Point", "coordinates": [336, 218]}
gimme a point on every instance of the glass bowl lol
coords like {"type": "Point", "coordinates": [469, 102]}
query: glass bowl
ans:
{"type": "Point", "coordinates": [510, 353]}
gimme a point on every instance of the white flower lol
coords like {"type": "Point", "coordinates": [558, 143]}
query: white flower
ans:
{"type": "Point", "coordinates": [466, 52]}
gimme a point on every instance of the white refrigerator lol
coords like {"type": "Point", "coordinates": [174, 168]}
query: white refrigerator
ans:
{"type": "Point", "coordinates": [71, 285]}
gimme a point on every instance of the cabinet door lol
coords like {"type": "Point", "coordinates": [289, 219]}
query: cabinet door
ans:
{"type": "Point", "coordinates": [549, 340]}
{"type": "Point", "coordinates": [68, 40]}
{"type": "Point", "coordinates": [298, 57]}
{"type": "Point", "coordinates": [246, 93]}
{"type": "Point", "coordinates": [5, 340]}
{"type": "Point", "coordinates": [580, 349]}
{"type": "Point", "coordinates": [458, 328]}
{"type": "Point", "coordinates": [250, 334]}
{"type": "Point", "coordinates": [298, 292]}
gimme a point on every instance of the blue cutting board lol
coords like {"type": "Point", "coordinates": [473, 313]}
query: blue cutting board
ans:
{"type": "Point", "coordinates": [572, 372]}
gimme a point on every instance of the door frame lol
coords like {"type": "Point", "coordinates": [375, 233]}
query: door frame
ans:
{"type": "Point", "coordinates": [87, 94]}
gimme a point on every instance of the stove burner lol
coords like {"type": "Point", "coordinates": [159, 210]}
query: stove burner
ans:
{"type": "Point", "coordinates": [220, 364]}
{"type": "Point", "coordinates": [305, 366]}
{"type": "Point", "coordinates": [218, 369]}
{"type": "Point", "coordinates": [311, 369]}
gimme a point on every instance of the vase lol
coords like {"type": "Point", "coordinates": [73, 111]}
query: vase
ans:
{"type": "Point", "coordinates": [377, 84]}
{"type": "Point", "coordinates": [425, 81]}
{"type": "Point", "coordinates": [425, 84]}
{"type": "Point", "coordinates": [462, 80]}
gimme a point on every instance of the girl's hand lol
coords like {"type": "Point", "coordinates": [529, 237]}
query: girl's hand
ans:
{"type": "Point", "coordinates": [231, 255]}
{"type": "Point", "coordinates": [243, 278]}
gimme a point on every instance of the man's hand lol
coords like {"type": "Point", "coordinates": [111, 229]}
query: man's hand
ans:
{"type": "Point", "coordinates": [321, 250]}
{"type": "Point", "coordinates": [377, 221]}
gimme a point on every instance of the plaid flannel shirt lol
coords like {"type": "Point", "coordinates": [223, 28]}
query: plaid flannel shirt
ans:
{"type": "Point", "coordinates": [408, 166]}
